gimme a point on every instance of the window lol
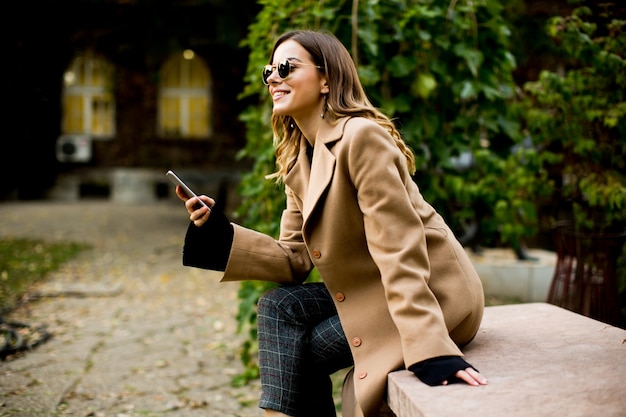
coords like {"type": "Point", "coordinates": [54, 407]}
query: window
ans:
{"type": "Point", "coordinates": [184, 97]}
{"type": "Point", "coordinates": [88, 102]}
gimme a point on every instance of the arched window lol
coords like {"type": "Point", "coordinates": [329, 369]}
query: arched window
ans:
{"type": "Point", "coordinates": [88, 101]}
{"type": "Point", "coordinates": [184, 97]}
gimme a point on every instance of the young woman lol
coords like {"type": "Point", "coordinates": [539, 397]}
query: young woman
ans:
{"type": "Point", "coordinates": [398, 289]}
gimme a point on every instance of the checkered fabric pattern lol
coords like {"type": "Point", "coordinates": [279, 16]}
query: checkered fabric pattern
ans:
{"type": "Point", "coordinates": [301, 342]}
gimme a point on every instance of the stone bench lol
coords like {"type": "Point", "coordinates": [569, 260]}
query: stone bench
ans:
{"type": "Point", "coordinates": [540, 360]}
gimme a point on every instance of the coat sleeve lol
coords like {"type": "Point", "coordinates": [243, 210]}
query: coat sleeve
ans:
{"type": "Point", "coordinates": [394, 213]}
{"type": "Point", "coordinates": [256, 256]}
{"type": "Point", "coordinates": [208, 247]}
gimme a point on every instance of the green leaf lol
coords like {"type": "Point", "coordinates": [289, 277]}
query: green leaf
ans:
{"type": "Point", "coordinates": [468, 91]}
{"type": "Point", "coordinates": [425, 84]}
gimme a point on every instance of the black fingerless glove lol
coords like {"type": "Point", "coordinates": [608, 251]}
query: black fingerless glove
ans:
{"type": "Point", "coordinates": [208, 247]}
{"type": "Point", "coordinates": [436, 370]}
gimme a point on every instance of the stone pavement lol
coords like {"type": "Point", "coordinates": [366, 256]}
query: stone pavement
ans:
{"type": "Point", "coordinates": [134, 332]}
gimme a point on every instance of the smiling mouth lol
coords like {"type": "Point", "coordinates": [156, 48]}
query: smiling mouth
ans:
{"type": "Point", "coordinates": [279, 94]}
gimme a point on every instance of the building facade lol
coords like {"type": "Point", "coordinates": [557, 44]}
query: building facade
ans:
{"type": "Point", "coordinates": [100, 86]}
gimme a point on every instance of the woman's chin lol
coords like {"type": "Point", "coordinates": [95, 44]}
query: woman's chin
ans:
{"type": "Point", "coordinates": [277, 111]}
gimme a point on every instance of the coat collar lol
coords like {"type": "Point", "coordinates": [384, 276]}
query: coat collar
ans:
{"type": "Point", "coordinates": [309, 188]}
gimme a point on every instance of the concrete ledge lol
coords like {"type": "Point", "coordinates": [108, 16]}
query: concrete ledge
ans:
{"type": "Point", "coordinates": [503, 275]}
{"type": "Point", "coordinates": [142, 185]}
{"type": "Point", "coordinates": [134, 185]}
{"type": "Point", "coordinates": [541, 360]}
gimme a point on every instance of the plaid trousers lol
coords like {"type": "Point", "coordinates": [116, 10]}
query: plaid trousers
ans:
{"type": "Point", "coordinates": [301, 342]}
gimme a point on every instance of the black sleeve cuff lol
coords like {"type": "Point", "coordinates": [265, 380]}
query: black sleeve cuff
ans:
{"type": "Point", "coordinates": [208, 247]}
{"type": "Point", "coordinates": [436, 370]}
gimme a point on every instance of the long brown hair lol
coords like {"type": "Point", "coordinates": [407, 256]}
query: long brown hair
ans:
{"type": "Point", "coordinates": [346, 97]}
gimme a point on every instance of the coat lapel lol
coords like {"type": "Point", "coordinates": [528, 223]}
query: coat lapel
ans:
{"type": "Point", "coordinates": [322, 169]}
{"type": "Point", "coordinates": [297, 179]}
{"type": "Point", "coordinates": [308, 182]}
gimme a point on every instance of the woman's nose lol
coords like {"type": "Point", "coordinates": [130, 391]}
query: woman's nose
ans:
{"type": "Point", "coordinates": [273, 78]}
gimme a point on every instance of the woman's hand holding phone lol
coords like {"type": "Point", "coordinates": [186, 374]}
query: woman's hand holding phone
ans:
{"type": "Point", "coordinates": [199, 207]}
{"type": "Point", "coordinates": [198, 213]}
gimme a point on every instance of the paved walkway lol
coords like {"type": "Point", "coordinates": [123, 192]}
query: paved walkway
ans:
{"type": "Point", "coordinates": [134, 332]}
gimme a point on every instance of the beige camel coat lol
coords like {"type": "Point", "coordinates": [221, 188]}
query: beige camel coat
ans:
{"type": "Point", "coordinates": [404, 287]}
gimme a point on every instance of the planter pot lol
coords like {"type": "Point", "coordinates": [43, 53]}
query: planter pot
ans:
{"type": "Point", "coordinates": [585, 274]}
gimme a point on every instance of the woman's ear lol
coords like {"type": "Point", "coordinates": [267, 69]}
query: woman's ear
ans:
{"type": "Point", "coordinates": [324, 85]}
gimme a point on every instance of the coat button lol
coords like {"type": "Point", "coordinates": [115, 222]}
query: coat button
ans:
{"type": "Point", "coordinates": [340, 296]}
{"type": "Point", "coordinates": [316, 254]}
{"type": "Point", "coordinates": [356, 341]}
{"type": "Point", "coordinates": [362, 375]}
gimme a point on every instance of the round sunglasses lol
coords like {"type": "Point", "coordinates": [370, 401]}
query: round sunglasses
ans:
{"type": "Point", "coordinates": [284, 68]}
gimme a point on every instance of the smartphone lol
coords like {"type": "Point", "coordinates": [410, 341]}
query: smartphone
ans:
{"type": "Point", "coordinates": [177, 181]}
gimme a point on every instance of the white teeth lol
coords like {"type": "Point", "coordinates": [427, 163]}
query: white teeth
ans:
{"type": "Point", "coordinates": [279, 93]}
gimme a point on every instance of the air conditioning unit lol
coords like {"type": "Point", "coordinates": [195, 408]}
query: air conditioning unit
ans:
{"type": "Point", "coordinates": [74, 148]}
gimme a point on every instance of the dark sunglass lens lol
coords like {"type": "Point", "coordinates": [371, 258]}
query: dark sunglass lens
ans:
{"type": "Point", "coordinates": [267, 71]}
{"type": "Point", "coordinates": [284, 68]}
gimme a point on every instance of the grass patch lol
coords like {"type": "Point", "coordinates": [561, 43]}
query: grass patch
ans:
{"type": "Point", "coordinates": [26, 261]}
